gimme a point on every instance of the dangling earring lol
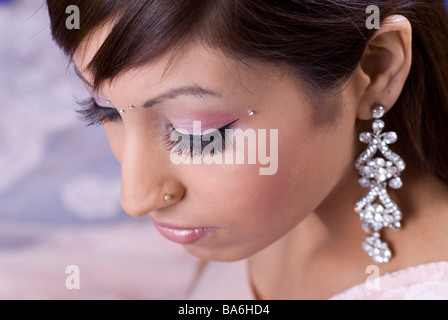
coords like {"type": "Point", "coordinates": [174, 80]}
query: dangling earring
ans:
{"type": "Point", "coordinates": [376, 173]}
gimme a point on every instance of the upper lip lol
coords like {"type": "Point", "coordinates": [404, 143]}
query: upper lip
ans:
{"type": "Point", "coordinates": [169, 226]}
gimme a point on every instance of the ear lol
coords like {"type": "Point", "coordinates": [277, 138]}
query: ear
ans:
{"type": "Point", "coordinates": [384, 66]}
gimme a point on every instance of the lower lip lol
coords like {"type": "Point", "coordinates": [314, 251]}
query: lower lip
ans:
{"type": "Point", "coordinates": [183, 236]}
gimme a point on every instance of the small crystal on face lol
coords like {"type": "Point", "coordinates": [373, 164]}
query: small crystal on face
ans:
{"type": "Point", "coordinates": [378, 112]}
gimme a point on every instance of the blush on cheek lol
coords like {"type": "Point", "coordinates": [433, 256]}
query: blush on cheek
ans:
{"type": "Point", "coordinates": [271, 195]}
{"type": "Point", "coordinates": [261, 198]}
{"type": "Point", "coordinates": [276, 203]}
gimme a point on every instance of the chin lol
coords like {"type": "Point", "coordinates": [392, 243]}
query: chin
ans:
{"type": "Point", "coordinates": [215, 254]}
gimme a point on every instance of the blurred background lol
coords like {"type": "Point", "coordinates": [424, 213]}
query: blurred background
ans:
{"type": "Point", "coordinates": [60, 184]}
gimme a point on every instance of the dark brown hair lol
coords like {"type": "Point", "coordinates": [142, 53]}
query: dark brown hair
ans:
{"type": "Point", "coordinates": [320, 41]}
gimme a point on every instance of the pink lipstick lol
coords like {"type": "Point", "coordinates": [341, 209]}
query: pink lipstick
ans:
{"type": "Point", "coordinates": [182, 236]}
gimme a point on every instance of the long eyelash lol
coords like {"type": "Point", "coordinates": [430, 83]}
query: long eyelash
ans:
{"type": "Point", "coordinates": [95, 115]}
{"type": "Point", "coordinates": [188, 148]}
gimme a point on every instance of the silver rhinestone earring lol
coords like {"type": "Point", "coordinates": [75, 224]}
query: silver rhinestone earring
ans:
{"type": "Point", "coordinates": [168, 197]}
{"type": "Point", "coordinates": [376, 173]}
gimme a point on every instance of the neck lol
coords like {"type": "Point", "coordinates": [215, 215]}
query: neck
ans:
{"type": "Point", "coordinates": [322, 256]}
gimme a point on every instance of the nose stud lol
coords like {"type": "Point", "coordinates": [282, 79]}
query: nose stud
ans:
{"type": "Point", "coordinates": [251, 112]}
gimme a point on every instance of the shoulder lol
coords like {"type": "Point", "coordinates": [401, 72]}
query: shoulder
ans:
{"type": "Point", "coordinates": [422, 282]}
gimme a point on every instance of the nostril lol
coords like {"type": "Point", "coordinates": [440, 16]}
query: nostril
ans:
{"type": "Point", "coordinates": [131, 210]}
{"type": "Point", "coordinates": [138, 205]}
{"type": "Point", "coordinates": [135, 205]}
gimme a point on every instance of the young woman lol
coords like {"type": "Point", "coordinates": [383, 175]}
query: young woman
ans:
{"type": "Point", "coordinates": [302, 82]}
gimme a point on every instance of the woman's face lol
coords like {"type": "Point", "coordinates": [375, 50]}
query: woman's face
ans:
{"type": "Point", "coordinates": [222, 211]}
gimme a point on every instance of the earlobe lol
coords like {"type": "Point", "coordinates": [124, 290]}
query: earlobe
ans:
{"type": "Point", "coordinates": [386, 63]}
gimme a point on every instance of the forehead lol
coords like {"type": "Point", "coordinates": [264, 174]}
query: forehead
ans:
{"type": "Point", "coordinates": [193, 63]}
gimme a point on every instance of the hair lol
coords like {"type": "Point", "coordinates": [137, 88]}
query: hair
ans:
{"type": "Point", "coordinates": [321, 42]}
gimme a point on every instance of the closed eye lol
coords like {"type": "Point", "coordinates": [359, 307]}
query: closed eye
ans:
{"type": "Point", "coordinates": [194, 145]}
{"type": "Point", "coordinates": [95, 115]}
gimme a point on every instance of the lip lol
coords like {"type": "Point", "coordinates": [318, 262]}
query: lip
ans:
{"type": "Point", "coordinates": [182, 235]}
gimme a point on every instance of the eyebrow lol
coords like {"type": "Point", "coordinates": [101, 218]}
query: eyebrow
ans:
{"type": "Point", "coordinates": [193, 90]}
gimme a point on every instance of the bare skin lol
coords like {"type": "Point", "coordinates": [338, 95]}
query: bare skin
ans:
{"type": "Point", "coordinates": [297, 227]}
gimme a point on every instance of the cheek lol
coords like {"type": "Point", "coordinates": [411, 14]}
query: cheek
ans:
{"type": "Point", "coordinates": [267, 207]}
{"type": "Point", "coordinates": [115, 135]}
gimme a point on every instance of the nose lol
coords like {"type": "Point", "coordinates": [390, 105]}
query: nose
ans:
{"type": "Point", "coordinates": [148, 179]}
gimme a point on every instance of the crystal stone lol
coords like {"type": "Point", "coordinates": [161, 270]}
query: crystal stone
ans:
{"type": "Point", "coordinates": [365, 137]}
{"type": "Point", "coordinates": [364, 182]}
{"type": "Point", "coordinates": [377, 169]}
{"type": "Point", "coordinates": [377, 249]}
{"type": "Point", "coordinates": [396, 183]}
{"type": "Point", "coordinates": [373, 216]}
{"type": "Point", "coordinates": [391, 169]}
{"type": "Point", "coordinates": [390, 137]}
{"type": "Point", "coordinates": [378, 112]}
{"type": "Point", "coordinates": [377, 126]}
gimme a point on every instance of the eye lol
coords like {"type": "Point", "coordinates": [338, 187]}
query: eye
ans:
{"type": "Point", "coordinates": [94, 115]}
{"type": "Point", "coordinates": [194, 145]}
